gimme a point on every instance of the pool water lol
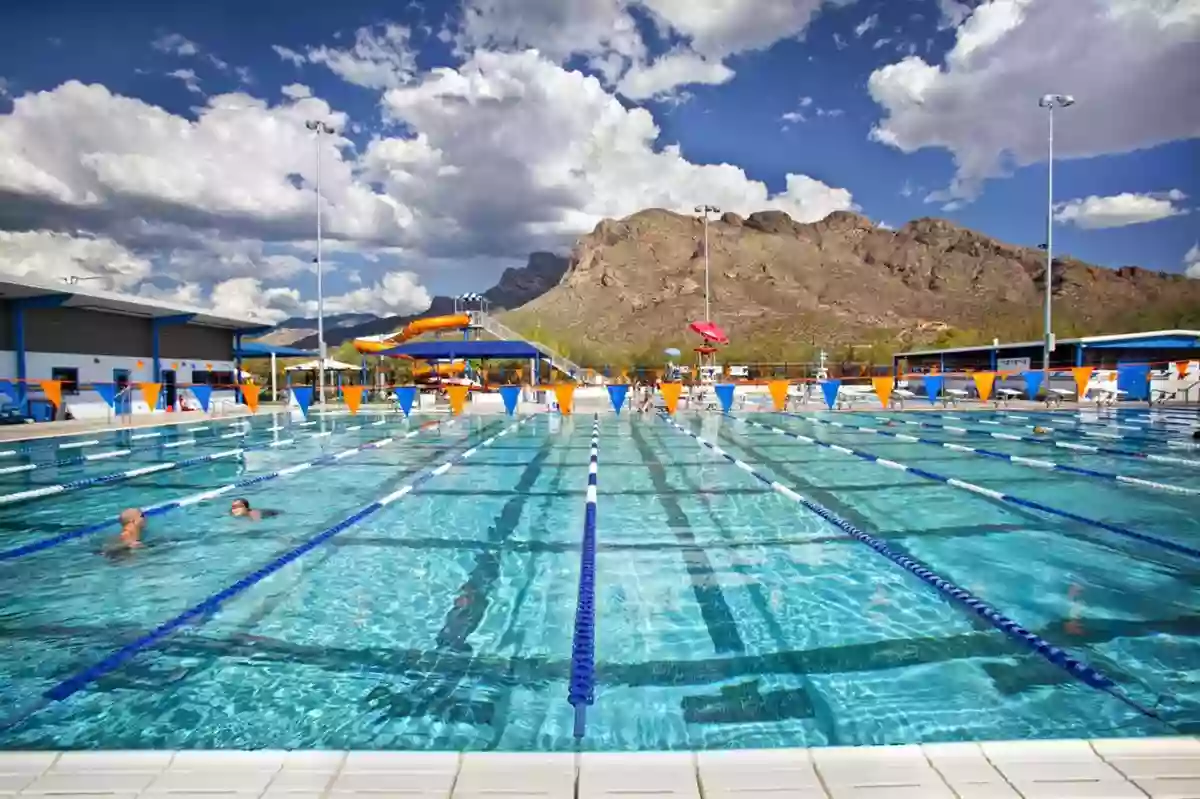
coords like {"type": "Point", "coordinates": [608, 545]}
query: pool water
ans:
{"type": "Point", "coordinates": [727, 615]}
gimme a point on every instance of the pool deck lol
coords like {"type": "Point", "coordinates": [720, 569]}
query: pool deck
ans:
{"type": "Point", "coordinates": [1159, 768]}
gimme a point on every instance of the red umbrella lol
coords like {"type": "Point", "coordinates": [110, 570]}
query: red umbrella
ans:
{"type": "Point", "coordinates": [710, 332]}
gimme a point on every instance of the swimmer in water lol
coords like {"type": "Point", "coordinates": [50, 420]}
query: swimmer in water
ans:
{"type": "Point", "coordinates": [133, 521]}
{"type": "Point", "coordinates": [1040, 431]}
{"type": "Point", "coordinates": [241, 508]}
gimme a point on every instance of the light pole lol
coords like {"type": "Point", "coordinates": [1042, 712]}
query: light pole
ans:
{"type": "Point", "coordinates": [1050, 102]}
{"type": "Point", "coordinates": [319, 127]}
{"type": "Point", "coordinates": [706, 210]}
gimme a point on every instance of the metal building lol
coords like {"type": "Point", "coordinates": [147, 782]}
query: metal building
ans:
{"type": "Point", "coordinates": [83, 337]}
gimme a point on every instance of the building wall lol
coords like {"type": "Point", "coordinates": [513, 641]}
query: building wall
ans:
{"type": "Point", "coordinates": [94, 368]}
{"type": "Point", "coordinates": [192, 342]}
{"type": "Point", "coordinates": [69, 330]}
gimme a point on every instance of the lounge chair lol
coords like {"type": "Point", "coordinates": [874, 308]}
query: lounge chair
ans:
{"type": "Point", "coordinates": [1006, 395]}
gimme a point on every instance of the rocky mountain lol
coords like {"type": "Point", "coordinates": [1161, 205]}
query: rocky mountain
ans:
{"type": "Point", "coordinates": [637, 282]}
{"type": "Point", "coordinates": [516, 287]}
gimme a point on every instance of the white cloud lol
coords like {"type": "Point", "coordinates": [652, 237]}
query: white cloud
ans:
{"type": "Point", "coordinates": [680, 68]}
{"type": "Point", "coordinates": [57, 256]}
{"type": "Point", "coordinates": [296, 91]}
{"type": "Point", "coordinates": [1119, 210]}
{"type": "Point", "coordinates": [1130, 65]}
{"type": "Point", "coordinates": [381, 57]}
{"type": "Point", "coordinates": [805, 102]}
{"type": "Point", "coordinates": [175, 44]}
{"type": "Point", "coordinates": [198, 204]}
{"type": "Point", "coordinates": [1191, 262]}
{"type": "Point", "coordinates": [396, 294]}
{"type": "Point", "coordinates": [606, 33]}
{"type": "Point", "coordinates": [189, 79]}
{"type": "Point", "coordinates": [880, 43]}
{"type": "Point", "coordinates": [867, 24]}
{"type": "Point", "coordinates": [288, 54]}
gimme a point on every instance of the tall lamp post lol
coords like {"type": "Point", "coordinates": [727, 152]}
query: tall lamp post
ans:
{"type": "Point", "coordinates": [706, 210]}
{"type": "Point", "coordinates": [1050, 102]}
{"type": "Point", "coordinates": [318, 127]}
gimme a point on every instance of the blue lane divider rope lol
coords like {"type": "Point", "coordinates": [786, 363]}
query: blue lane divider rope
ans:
{"type": "Point", "coordinates": [582, 687]}
{"type": "Point", "coordinates": [1017, 459]}
{"type": "Point", "coordinates": [210, 606]}
{"type": "Point", "coordinates": [1080, 430]}
{"type": "Point", "coordinates": [978, 489]}
{"type": "Point", "coordinates": [1055, 655]}
{"type": "Point", "coordinates": [192, 499]}
{"type": "Point", "coordinates": [1119, 453]}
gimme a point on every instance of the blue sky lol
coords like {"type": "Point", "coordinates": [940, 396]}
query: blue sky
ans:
{"type": "Point", "coordinates": [180, 167]}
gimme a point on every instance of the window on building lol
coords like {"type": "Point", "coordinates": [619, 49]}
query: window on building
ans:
{"type": "Point", "coordinates": [200, 378]}
{"type": "Point", "coordinates": [216, 379]}
{"type": "Point", "coordinates": [121, 378]}
{"type": "Point", "coordinates": [68, 377]}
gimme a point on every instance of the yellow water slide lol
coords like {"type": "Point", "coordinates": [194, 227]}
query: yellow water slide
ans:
{"type": "Point", "coordinates": [371, 345]}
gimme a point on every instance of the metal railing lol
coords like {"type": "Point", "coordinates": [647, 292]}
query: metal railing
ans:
{"type": "Point", "coordinates": [122, 406]}
{"type": "Point", "coordinates": [504, 332]}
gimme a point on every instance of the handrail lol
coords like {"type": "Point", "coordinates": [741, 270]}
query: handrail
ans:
{"type": "Point", "coordinates": [502, 331]}
{"type": "Point", "coordinates": [582, 686]}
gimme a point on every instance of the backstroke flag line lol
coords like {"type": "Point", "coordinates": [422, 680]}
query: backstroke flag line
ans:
{"type": "Point", "coordinates": [203, 395]}
{"type": "Point", "coordinates": [510, 395]}
{"type": "Point", "coordinates": [779, 392]}
{"type": "Point", "coordinates": [984, 382]}
{"type": "Point", "coordinates": [616, 395]}
{"type": "Point", "coordinates": [458, 397]}
{"type": "Point", "coordinates": [1033, 382]}
{"type": "Point", "coordinates": [670, 394]}
{"type": "Point", "coordinates": [1083, 374]}
{"type": "Point", "coordinates": [107, 392]}
{"type": "Point", "coordinates": [565, 394]}
{"type": "Point", "coordinates": [830, 389]}
{"type": "Point", "coordinates": [725, 395]}
{"type": "Point", "coordinates": [303, 397]}
{"type": "Point", "coordinates": [883, 389]}
{"type": "Point", "coordinates": [405, 396]}
{"type": "Point", "coordinates": [933, 387]}
{"type": "Point", "coordinates": [53, 390]}
{"type": "Point", "coordinates": [250, 395]}
{"type": "Point", "coordinates": [353, 396]}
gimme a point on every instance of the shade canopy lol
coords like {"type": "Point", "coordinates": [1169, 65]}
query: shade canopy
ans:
{"type": "Point", "coordinates": [259, 349]}
{"type": "Point", "coordinates": [479, 350]}
{"type": "Point", "coordinates": [330, 366]}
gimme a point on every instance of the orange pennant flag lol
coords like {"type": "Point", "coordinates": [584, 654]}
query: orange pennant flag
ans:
{"type": "Point", "coordinates": [883, 388]}
{"type": "Point", "coordinates": [1082, 375]}
{"type": "Point", "coordinates": [150, 392]}
{"type": "Point", "coordinates": [53, 389]}
{"type": "Point", "coordinates": [670, 392]}
{"type": "Point", "coordinates": [353, 396]}
{"type": "Point", "coordinates": [984, 381]}
{"type": "Point", "coordinates": [250, 396]}
{"type": "Point", "coordinates": [625, 376]}
{"type": "Point", "coordinates": [779, 390]}
{"type": "Point", "coordinates": [520, 375]}
{"type": "Point", "coordinates": [458, 397]}
{"type": "Point", "coordinates": [565, 394]}
{"type": "Point", "coordinates": [1182, 368]}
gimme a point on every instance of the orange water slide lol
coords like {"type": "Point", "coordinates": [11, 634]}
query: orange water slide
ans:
{"type": "Point", "coordinates": [438, 370]}
{"type": "Point", "coordinates": [370, 345]}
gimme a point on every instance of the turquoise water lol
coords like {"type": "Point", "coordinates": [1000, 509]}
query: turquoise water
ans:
{"type": "Point", "coordinates": [726, 616]}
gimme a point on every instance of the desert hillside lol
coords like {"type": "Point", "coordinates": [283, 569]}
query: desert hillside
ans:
{"type": "Point", "coordinates": [635, 283]}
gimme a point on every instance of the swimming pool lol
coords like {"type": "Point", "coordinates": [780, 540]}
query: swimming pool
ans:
{"type": "Point", "coordinates": [727, 614]}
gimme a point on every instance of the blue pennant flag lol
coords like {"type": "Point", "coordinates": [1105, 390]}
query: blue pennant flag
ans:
{"type": "Point", "coordinates": [510, 395]}
{"type": "Point", "coordinates": [616, 395]}
{"type": "Point", "coordinates": [107, 392]}
{"type": "Point", "coordinates": [1134, 379]}
{"type": "Point", "coordinates": [202, 394]}
{"type": "Point", "coordinates": [303, 395]}
{"type": "Point", "coordinates": [8, 389]}
{"type": "Point", "coordinates": [405, 395]}
{"type": "Point", "coordinates": [1033, 382]}
{"type": "Point", "coordinates": [725, 395]}
{"type": "Point", "coordinates": [830, 389]}
{"type": "Point", "coordinates": [933, 386]}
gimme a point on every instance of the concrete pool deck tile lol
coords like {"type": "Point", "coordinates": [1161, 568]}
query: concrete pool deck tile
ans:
{"type": "Point", "coordinates": [488, 774]}
{"type": "Point", "coordinates": [10, 784]}
{"type": "Point", "coordinates": [670, 774]}
{"type": "Point", "coordinates": [217, 780]}
{"type": "Point", "coordinates": [1022, 772]}
{"type": "Point", "coordinates": [1109, 748]}
{"type": "Point", "coordinates": [131, 761]}
{"type": "Point", "coordinates": [1157, 768]}
{"type": "Point", "coordinates": [757, 771]}
{"type": "Point", "coordinates": [899, 768]}
{"type": "Point", "coordinates": [317, 760]}
{"type": "Point", "coordinates": [26, 762]}
{"type": "Point", "coordinates": [228, 759]}
{"type": "Point", "coordinates": [82, 782]}
{"type": "Point", "coordinates": [1170, 789]}
{"type": "Point", "coordinates": [296, 781]}
{"type": "Point", "coordinates": [1039, 751]}
{"type": "Point", "coordinates": [424, 762]}
{"type": "Point", "coordinates": [1080, 790]}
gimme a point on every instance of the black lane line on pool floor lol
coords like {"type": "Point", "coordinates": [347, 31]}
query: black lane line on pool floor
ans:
{"type": "Point", "coordinates": [1112, 544]}
{"type": "Point", "coordinates": [714, 609]}
{"type": "Point", "coordinates": [201, 613]}
{"type": "Point", "coordinates": [435, 694]}
{"type": "Point", "coordinates": [747, 703]}
{"type": "Point", "coordinates": [877, 656]}
{"type": "Point", "coordinates": [949, 591]}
